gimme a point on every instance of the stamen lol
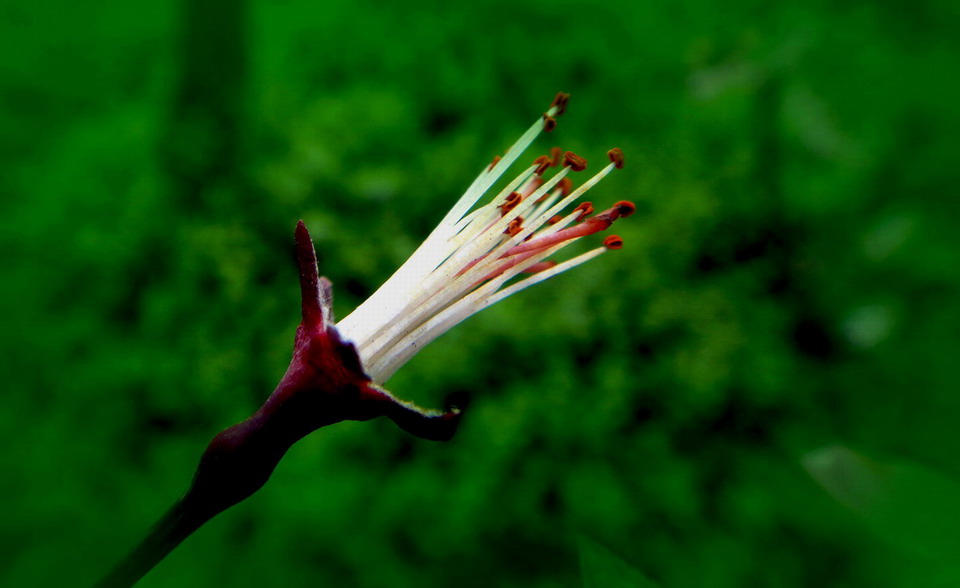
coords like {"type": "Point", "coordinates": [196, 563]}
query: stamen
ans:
{"type": "Point", "coordinates": [591, 225]}
{"type": "Point", "coordinates": [616, 157]}
{"type": "Point", "coordinates": [625, 208]}
{"type": "Point", "coordinates": [585, 209]}
{"type": "Point", "coordinates": [544, 275]}
{"type": "Point", "coordinates": [439, 288]}
{"type": "Point", "coordinates": [556, 155]}
{"type": "Point", "coordinates": [560, 102]}
{"type": "Point", "coordinates": [574, 161]}
{"type": "Point", "coordinates": [539, 267]}
{"type": "Point", "coordinates": [510, 203]}
{"type": "Point", "coordinates": [400, 351]}
{"type": "Point", "coordinates": [613, 242]}
{"type": "Point", "coordinates": [371, 317]}
{"type": "Point", "coordinates": [543, 163]}
{"type": "Point", "coordinates": [542, 217]}
{"type": "Point", "coordinates": [549, 123]}
{"type": "Point", "coordinates": [515, 226]}
{"type": "Point", "coordinates": [471, 255]}
{"type": "Point", "coordinates": [532, 185]}
{"type": "Point", "coordinates": [509, 263]}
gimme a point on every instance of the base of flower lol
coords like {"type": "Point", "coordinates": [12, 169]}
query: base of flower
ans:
{"type": "Point", "coordinates": [324, 384]}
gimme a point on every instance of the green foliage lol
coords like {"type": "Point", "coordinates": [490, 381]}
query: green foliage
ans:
{"type": "Point", "coordinates": [603, 569]}
{"type": "Point", "coordinates": [913, 508]}
{"type": "Point", "coordinates": [788, 284]}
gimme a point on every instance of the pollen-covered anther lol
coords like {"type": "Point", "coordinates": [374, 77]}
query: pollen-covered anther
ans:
{"type": "Point", "coordinates": [616, 157]}
{"type": "Point", "coordinates": [513, 199]}
{"type": "Point", "coordinates": [625, 208]}
{"type": "Point", "coordinates": [554, 219]}
{"type": "Point", "coordinates": [556, 155]}
{"type": "Point", "coordinates": [566, 186]}
{"type": "Point", "coordinates": [560, 102]}
{"type": "Point", "coordinates": [496, 160]}
{"type": "Point", "coordinates": [574, 161]}
{"type": "Point", "coordinates": [549, 123]}
{"type": "Point", "coordinates": [613, 242]}
{"type": "Point", "coordinates": [515, 226]}
{"type": "Point", "coordinates": [543, 163]}
{"type": "Point", "coordinates": [585, 209]}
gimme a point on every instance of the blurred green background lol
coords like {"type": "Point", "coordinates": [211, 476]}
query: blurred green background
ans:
{"type": "Point", "coordinates": [760, 389]}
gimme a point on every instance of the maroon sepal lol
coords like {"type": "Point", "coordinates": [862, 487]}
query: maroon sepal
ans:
{"type": "Point", "coordinates": [324, 384]}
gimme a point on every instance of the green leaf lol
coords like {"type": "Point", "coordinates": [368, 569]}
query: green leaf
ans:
{"type": "Point", "coordinates": [600, 568]}
{"type": "Point", "coordinates": [913, 508]}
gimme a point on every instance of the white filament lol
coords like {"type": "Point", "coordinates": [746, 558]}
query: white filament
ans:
{"type": "Point", "coordinates": [437, 287]}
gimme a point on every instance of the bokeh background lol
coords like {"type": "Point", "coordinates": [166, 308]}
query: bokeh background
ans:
{"type": "Point", "coordinates": [760, 389]}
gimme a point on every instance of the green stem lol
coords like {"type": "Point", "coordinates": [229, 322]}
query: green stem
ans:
{"type": "Point", "coordinates": [175, 526]}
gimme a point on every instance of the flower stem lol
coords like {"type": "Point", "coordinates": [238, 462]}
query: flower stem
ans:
{"type": "Point", "coordinates": [175, 526]}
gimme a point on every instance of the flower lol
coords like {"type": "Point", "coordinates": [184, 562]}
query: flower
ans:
{"type": "Point", "coordinates": [466, 262]}
{"type": "Point", "coordinates": [465, 265]}
{"type": "Point", "coordinates": [337, 368]}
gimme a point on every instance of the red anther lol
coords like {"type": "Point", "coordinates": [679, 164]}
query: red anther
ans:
{"type": "Point", "coordinates": [554, 219]}
{"type": "Point", "coordinates": [543, 163]}
{"type": "Point", "coordinates": [574, 161]}
{"type": "Point", "coordinates": [566, 186]}
{"type": "Point", "coordinates": [613, 242]}
{"type": "Point", "coordinates": [585, 209]}
{"type": "Point", "coordinates": [556, 155]}
{"type": "Point", "coordinates": [496, 159]}
{"type": "Point", "coordinates": [549, 123]}
{"type": "Point", "coordinates": [539, 267]}
{"type": "Point", "coordinates": [560, 101]}
{"type": "Point", "coordinates": [616, 157]}
{"type": "Point", "coordinates": [625, 208]}
{"type": "Point", "coordinates": [515, 226]}
{"type": "Point", "coordinates": [513, 199]}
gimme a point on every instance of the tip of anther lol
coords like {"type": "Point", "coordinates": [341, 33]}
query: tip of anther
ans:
{"type": "Point", "coordinates": [549, 123]}
{"type": "Point", "coordinates": [574, 161]}
{"type": "Point", "coordinates": [543, 163]}
{"type": "Point", "coordinates": [585, 209]}
{"type": "Point", "coordinates": [616, 157]}
{"type": "Point", "coordinates": [625, 208]}
{"type": "Point", "coordinates": [566, 186]}
{"type": "Point", "coordinates": [515, 226]}
{"type": "Point", "coordinates": [556, 155]}
{"type": "Point", "coordinates": [613, 242]}
{"type": "Point", "coordinates": [560, 101]}
{"type": "Point", "coordinates": [511, 202]}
